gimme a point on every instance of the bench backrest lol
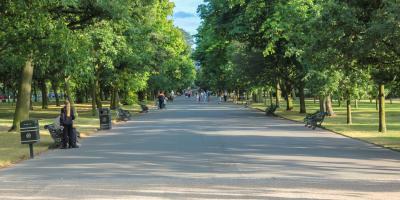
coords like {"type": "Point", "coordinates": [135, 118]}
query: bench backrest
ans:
{"type": "Point", "coordinates": [320, 116]}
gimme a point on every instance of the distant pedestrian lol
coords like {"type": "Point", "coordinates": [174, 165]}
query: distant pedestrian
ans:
{"type": "Point", "coordinates": [225, 96]}
{"type": "Point", "coordinates": [161, 99]}
{"type": "Point", "coordinates": [172, 96]}
{"type": "Point", "coordinates": [67, 118]}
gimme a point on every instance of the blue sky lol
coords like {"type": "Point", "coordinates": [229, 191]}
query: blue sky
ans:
{"type": "Point", "coordinates": [185, 15]}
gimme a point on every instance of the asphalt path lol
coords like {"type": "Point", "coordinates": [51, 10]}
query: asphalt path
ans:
{"type": "Point", "coordinates": [208, 151]}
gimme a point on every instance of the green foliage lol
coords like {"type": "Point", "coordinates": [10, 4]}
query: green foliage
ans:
{"type": "Point", "coordinates": [118, 43]}
{"type": "Point", "coordinates": [345, 48]}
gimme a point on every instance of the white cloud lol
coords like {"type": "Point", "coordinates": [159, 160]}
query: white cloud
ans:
{"type": "Point", "coordinates": [190, 24]}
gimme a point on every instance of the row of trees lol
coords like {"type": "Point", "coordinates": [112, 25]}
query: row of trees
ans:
{"type": "Point", "coordinates": [90, 49]}
{"type": "Point", "coordinates": [342, 49]}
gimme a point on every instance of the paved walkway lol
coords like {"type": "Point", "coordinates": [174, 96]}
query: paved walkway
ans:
{"type": "Point", "coordinates": [208, 151]}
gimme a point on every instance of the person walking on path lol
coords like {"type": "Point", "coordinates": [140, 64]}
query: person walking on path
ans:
{"type": "Point", "coordinates": [67, 118]}
{"type": "Point", "coordinates": [172, 96]}
{"type": "Point", "coordinates": [161, 98]}
{"type": "Point", "coordinates": [225, 96]}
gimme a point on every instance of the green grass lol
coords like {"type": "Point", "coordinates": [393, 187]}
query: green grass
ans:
{"type": "Point", "coordinates": [365, 121]}
{"type": "Point", "coordinates": [11, 151]}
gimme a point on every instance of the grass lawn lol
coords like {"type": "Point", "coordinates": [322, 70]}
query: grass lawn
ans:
{"type": "Point", "coordinates": [12, 151]}
{"type": "Point", "coordinates": [365, 121]}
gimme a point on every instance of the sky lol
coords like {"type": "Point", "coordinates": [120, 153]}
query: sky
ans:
{"type": "Point", "coordinates": [185, 15]}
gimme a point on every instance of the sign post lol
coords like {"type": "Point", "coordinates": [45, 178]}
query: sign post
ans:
{"type": "Point", "coordinates": [30, 134]}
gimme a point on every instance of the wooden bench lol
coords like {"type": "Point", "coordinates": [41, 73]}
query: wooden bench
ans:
{"type": "Point", "coordinates": [315, 120]}
{"type": "Point", "coordinates": [56, 133]}
{"type": "Point", "coordinates": [123, 115]}
{"type": "Point", "coordinates": [270, 111]}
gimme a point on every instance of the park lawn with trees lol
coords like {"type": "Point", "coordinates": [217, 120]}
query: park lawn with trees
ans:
{"type": "Point", "coordinates": [330, 50]}
{"type": "Point", "coordinates": [99, 54]}
{"type": "Point", "coordinates": [11, 149]}
{"type": "Point", "coordinates": [364, 126]}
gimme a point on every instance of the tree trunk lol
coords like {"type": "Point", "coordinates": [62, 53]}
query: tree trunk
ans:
{"type": "Point", "coordinates": [237, 96]}
{"type": "Point", "coordinates": [329, 107]}
{"type": "Point", "coordinates": [264, 97]}
{"type": "Point", "coordinates": [382, 117]}
{"type": "Point", "coordinates": [98, 100]}
{"type": "Point", "coordinates": [7, 93]}
{"type": "Point", "coordinates": [271, 98]}
{"type": "Point", "coordinates": [55, 88]}
{"type": "Point", "coordinates": [93, 88]}
{"type": "Point", "coordinates": [45, 99]}
{"type": "Point", "coordinates": [68, 94]}
{"type": "Point", "coordinates": [30, 104]}
{"type": "Point", "coordinates": [288, 96]}
{"type": "Point", "coordinates": [114, 99]}
{"type": "Point", "coordinates": [14, 96]}
{"type": "Point", "coordinates": [293, 94]}
{"type": "Point", "coordinates": [339, 102]}
{"type": "Point", "coordinates": [87, 94]}
{"type": "Point", "coordinates": [24, 96]}
{"type": "Point", "coordinates": [348, 106]}
{"type": "Point", "coordinates": [117, 100]}
{"type": "Point", "coordinates": [141, 96]}
{"type": "Point", "coordinates": [322, 104]}
{"type": "Point", "coordinates": [302, 100]}
{"type": "Point", "coordinates": [35, 95]}
{"type": "Point", "coordinates": [278, 95]}
{"type": "Point", "coordinates": [356, 103]}
{"type": "Point", "coordinates": [101, 92]}
{"type": "Point", "coordinates": [315, 100]}
{"type": "Point", "coordinates": [289, 102]}
{"type": "Point", "coordinates": [4, 90]}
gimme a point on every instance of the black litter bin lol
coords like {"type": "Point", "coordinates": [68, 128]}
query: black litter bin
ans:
{"type": "Point", "coordinates": [105, 118]}
{"type": "Point", "coordinates": [29, 131]}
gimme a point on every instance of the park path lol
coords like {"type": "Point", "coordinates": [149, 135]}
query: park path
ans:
{"type": "Point", "coordinates": [208, 151]}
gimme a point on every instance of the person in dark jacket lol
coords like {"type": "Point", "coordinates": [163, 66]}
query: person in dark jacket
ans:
{"type": "Point", "coordinates": [66, 120]}
{"type": "Point", "coordinates": [161, 98]}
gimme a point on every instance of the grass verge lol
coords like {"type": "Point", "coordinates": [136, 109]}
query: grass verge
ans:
{"type": "Point", "coordinates": [365, 121]}
{"type": "Point", "coordinates": [12, 151]}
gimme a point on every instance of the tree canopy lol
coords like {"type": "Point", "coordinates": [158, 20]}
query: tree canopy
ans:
{"type": "Point", "coordinates": [99, 50]}
{"type": "Point", "coordinates": [327, 49]}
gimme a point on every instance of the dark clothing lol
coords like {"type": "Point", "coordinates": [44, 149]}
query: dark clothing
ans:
{"type": "Point", "coordinates": [69, 136]}
{"type": "Point", "coordinates": [64, 119]}
{"type": "Point", "coordinates": [161, 99]}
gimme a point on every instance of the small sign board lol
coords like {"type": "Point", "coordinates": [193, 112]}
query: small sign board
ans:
{"type": "Point", "coordinates": [29, 131]}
